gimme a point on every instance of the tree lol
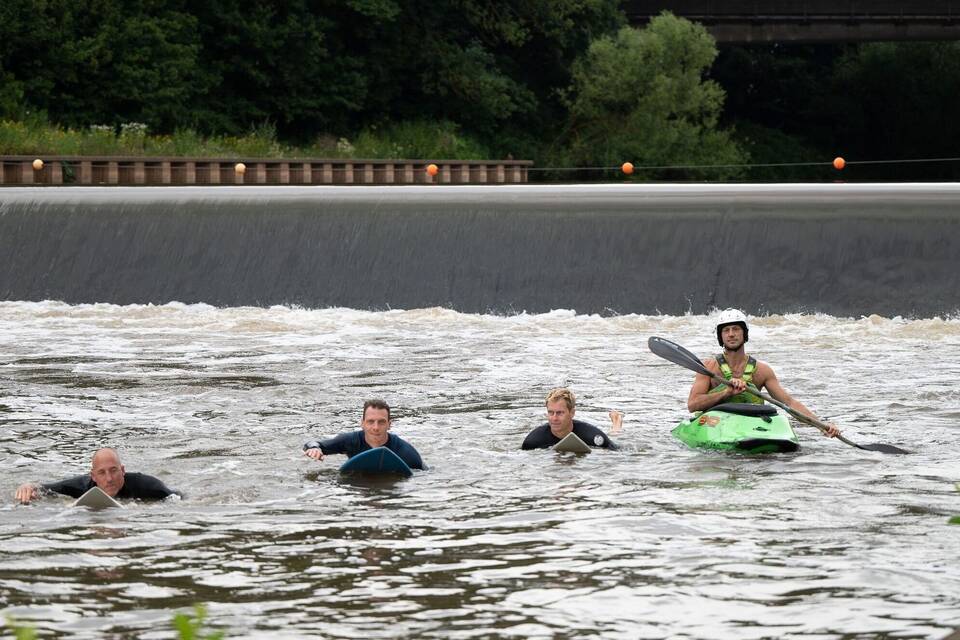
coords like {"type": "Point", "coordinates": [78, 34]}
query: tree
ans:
{"type": "Point", "coordinates": [304, 67]}
{"type": "Point", "coordinates": [897, 101]}
{"type": "Point", "coordinates": [325, 66]}
{"type": "Point", "coordinates": [100, 61]}
{"type": "Point", "coordinates": [641, 96]}
{"type": "Point", "coordinates": [290, 63]}
{"type": "Point", "coordinates": [493, 67]}
{"type": "Point", "coordinates": [775, 94]}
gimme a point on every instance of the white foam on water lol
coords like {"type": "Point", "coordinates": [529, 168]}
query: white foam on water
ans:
{"type": "Point", "coordinates": [656, 538]}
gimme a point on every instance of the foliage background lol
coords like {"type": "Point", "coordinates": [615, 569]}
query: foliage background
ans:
{"type": "Point", "coordinates": [562, 82]}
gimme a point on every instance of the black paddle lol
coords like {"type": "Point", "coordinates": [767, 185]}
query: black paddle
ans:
{"type": "Point", "coordinates": [678, 355]}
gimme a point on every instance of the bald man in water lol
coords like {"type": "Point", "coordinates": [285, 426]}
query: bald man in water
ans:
{"type": "Point", "coordinates": [106, 472]}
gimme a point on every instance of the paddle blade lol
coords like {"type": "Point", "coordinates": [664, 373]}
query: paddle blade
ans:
{"type": "Point", "coordinates": [676, 354]}
{"type": "Point", "coordinates": [882, 448]}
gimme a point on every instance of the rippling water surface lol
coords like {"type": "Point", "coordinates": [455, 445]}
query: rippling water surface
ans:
{"type": "Point", "coordinates": [654, 541]}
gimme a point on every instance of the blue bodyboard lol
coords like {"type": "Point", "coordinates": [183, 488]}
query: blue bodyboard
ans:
{"type": "Point", "coordinates": [378, 460]}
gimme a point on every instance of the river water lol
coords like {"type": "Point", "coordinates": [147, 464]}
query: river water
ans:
{"type": "Point", "coordinates": [491, 542]}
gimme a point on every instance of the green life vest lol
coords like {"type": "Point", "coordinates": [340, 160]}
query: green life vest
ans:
{"type": "Point", "coordinates": [746, 377]}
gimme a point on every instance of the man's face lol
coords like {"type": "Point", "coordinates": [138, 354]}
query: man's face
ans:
{"type": "Point", "coordinates": [107, 472]}
{"type": "Point", "coordinates": [559, 416]}
{"type": "Point", "coordinates": [375, 425]}
{"type": "Point", "coordinates": [732, 336]}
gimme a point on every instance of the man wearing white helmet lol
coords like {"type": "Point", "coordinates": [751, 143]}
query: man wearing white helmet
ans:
{"type": "Point", "coordinates": [741, 370]}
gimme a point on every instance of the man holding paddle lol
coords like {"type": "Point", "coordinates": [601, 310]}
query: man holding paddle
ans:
{"type": "Point", "coordinates": [741, 372]}
{"type": "Point", "coordinates": [106, 472]}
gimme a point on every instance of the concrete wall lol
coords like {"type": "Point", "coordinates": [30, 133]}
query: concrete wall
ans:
{"type": "Point", "coordinates": [837, 248]}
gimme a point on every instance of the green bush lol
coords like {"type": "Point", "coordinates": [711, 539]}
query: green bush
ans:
{"type": "Point", "coordinates": [644, 95]}
{"type": "Point", "coordinates": [418, 139]}
{"type": "Point", "coordinates": [35, 136]}
{"type": "Point", "coordinates": [98, 140]}
{"type": "Point", "coordinates": [260, 142]}
{"type": "Point", "coordinates": [132, 138]}
{"type": "Point", "coordinates": [181, 143]}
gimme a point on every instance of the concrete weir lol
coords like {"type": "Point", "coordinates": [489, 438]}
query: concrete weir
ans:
{"type": "Point", "coordinates": [842, 249]}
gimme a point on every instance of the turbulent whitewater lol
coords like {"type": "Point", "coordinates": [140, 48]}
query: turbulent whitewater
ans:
{"type": "Point", "coordinates": [653, 541]}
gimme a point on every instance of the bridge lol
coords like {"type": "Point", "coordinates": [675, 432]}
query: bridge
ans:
{"type": "Point", "coordinates": [810, 21]}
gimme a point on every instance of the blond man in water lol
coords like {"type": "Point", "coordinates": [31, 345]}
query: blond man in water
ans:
{"type": "Point", "coordinates": [561, 409]}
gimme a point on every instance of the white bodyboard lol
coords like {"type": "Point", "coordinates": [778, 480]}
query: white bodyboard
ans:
{"type": "Point", "coordinates": [572, 443]}
{"type": "Point", "coordinates": [95, 498]}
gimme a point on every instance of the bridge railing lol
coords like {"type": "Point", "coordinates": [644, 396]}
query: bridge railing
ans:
{"type": "Point", "coordinates": [745, 21]}
{"type": "Point", "coordinates": [121, 170]}
{"type": "Point", "coordinates": [797, 8]}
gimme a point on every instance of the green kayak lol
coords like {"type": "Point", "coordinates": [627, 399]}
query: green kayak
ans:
{"type": "Point", "coordinates": [750, 428]}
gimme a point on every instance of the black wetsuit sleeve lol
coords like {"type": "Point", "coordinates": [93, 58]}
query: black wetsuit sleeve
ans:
{"type": "Point", "coordinates": [343, 443]}
{"type": "Point", "coordinates": [594, 436]}
{"type": "Point", "coordinates": [140, 486]}
{"type": "Point", "coordinates": [540, 438]}
{"type": "Point", "coordinates": [407, 453]}
{"type": "Point", "coordinates": [73, 487]}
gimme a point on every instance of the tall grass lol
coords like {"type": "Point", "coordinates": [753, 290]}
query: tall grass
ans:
{"type": "Point", "coordinates": [406, 140]}
{"type": "Point", "coordinates": [437, 140]}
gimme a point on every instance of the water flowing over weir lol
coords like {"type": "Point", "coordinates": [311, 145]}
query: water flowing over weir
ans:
{"type": "Point", "coordinates": [839, 248]}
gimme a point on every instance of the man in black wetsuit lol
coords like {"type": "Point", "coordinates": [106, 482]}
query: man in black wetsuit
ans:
{"type": "Point", "coordinates": [374, 423]}
{"type": "Point", "coordinates": [107, 473]}
{"type": "Point", "coordinates": [561, 407]}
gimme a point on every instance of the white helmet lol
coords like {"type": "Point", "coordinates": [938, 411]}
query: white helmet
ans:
{"type": "Point", "coordinates": [732, 316]}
